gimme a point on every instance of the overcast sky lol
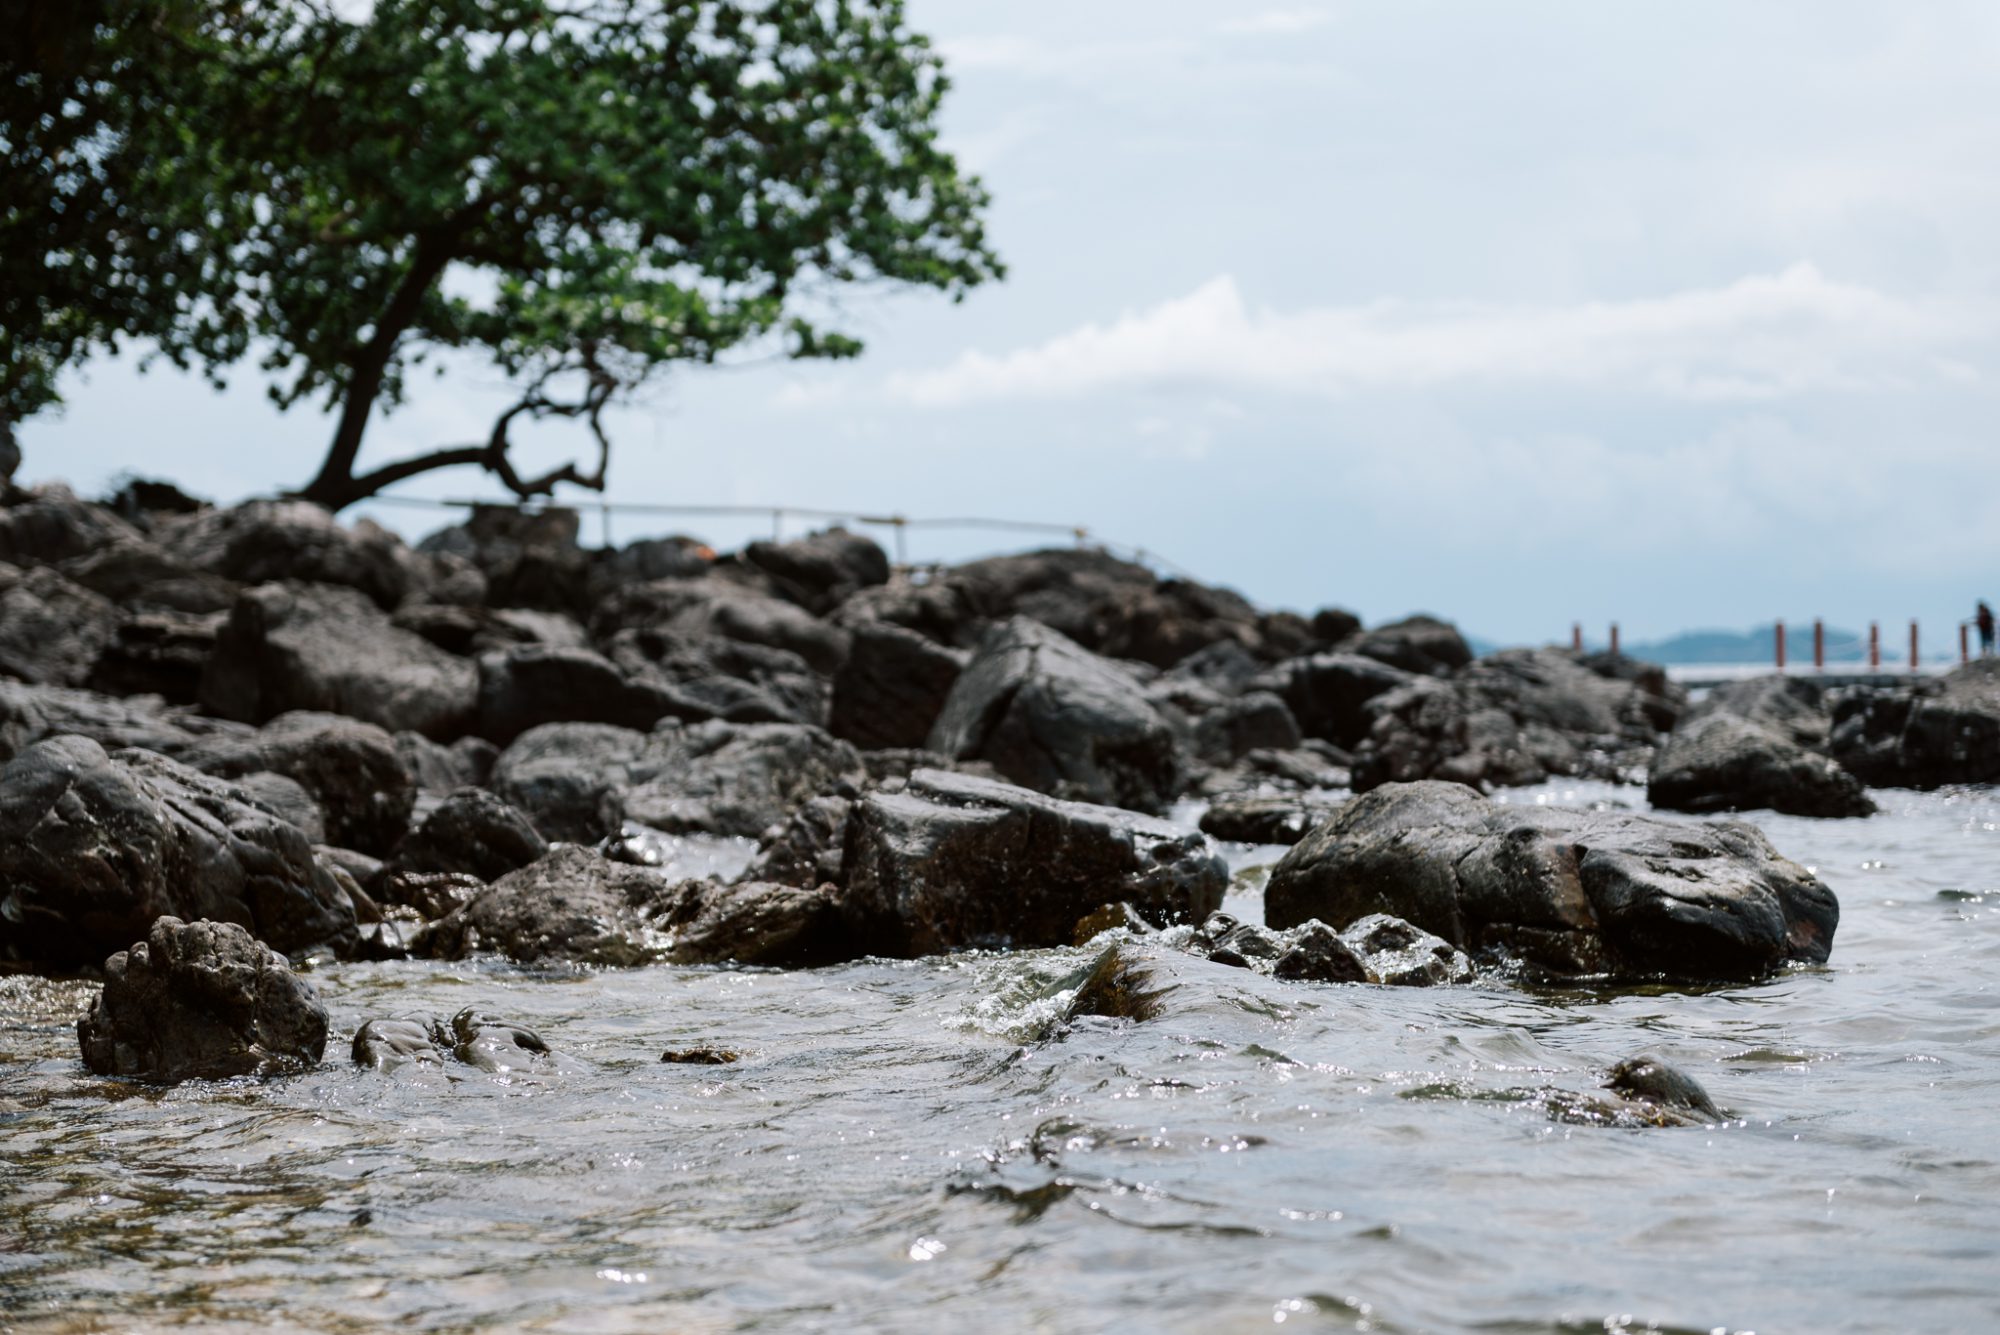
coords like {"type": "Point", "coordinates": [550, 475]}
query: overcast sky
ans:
{"type": "Point", "coordinates": [1680, 315]}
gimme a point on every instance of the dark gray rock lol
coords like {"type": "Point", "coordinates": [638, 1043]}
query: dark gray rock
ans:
{"type": "Point", "coordinates": [760, 923]}
{"type": "Point", "coordinates": [1316, 954]}
{"type": "Point", "coordinates": [700, 677]}
{"type": "Point", "coordinates": [890, 690]}
{"type": "Point", "coordinates": [1265, 820]}
{"type": "Point", "coordinates": [283, 796]}
{"type": "Point", "coordinates": [46, 524]}
{"type": "Point", "coordinates": [51, 630]}
{"type": "Point", "coordinates": [1923, 736]}
{"type": "Point", "coordinates": [1401, 954]}
{"type": "Point", "coordinates": [321, 647]}
{"type": "Point", "coordinates": [263, 541]}
{"type": "Point", "coordinates": [1794, 707]}
{"type": "Point", "coordinates": [952, 861]}
{"type": "Point", "coordinates": [430, 895]}
{"type": "Point", "coordinates": [1328, 693]}
{"type": "Point", "coordinates": [1055, 718]}
{"type": "Point", "coordinates": [1647, 1079]}
{"type": "Point", "coordinates": [715, 608]}
{"type": "Point", "coordinates": [144, 576]}
{"type": "Point", "coordinates": [385, 1044]}
{"type": "Point", "coordinates": [528, 558]}
{"type": "Point", "coordinates": [1720, 762]}
{"type": "Point", "coordinates": [201, 1001]}
{"type": "Point", "coordinates": [1421, 644]}
{"type": "Point", "coordinates": [94, 848]}
{"type": "Point", "coordinates": [474, 832]}
{"type": "Point", "coordinates": [822, 571]}
{"type": "Point", "coordinates": [30, 714]}
{"type": "Point", "coordinates": [529, 685]}
{"type": "Point", "coordinates": [1571, 891]}
{"type": "Point", "coordinates": [568, 777]}
{"type": "Point", "coordinates": [466, 763]}
{"type": "Point", "coordinates": [353, 770]}
{"type": "Point", "coordinates": [806, 848]}
{"type": "Point", "coordinates": [157, 653]}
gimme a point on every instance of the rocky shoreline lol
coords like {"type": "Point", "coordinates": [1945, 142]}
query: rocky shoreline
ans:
{"type": "Point", "coordinates": [233, 735]}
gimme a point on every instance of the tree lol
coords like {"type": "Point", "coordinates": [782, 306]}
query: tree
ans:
{"type": "Point", "coordinates": [586, 191]}
{"type": "Point", "coordinates": [104, 173]}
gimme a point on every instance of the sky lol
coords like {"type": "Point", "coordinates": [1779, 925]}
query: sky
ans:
{"type": "Point", "coordinates": [1675, 316]}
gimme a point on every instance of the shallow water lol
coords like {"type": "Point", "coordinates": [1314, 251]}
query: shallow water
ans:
{"type": "Point", "coordinates": [900, 1149]}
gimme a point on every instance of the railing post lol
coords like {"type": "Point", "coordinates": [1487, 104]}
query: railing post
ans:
{"type": "Point", "coordinates": [1780, 637]}
{"type": "Point", "coordinates": [1614, 640]}
{"type": "Point", "coordinates": [1576, 637]}
{"type": "Point", "coordinates": [1819, 645]}
{"type": "Point", "coordinates": [1913, 644]}
{"type": "Point", "coordinates": [1964, 643]}
{"type": "Point", "coordinates": [1874, 646]}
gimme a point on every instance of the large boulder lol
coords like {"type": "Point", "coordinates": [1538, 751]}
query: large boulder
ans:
{"type": "Point", "coordinates": [262, 541]}
{"type": "Point", "coordinates": [697, 609]}
{"type": "Point", "coordinates": [1329, 693]}
{"type": "Point", "coordinates": [702, 676]}
{"type": "Point", "coordinates": [580, 781]}
{"type": "Point", "coordinates": [1923, 736]}
{"type": "Point", "coordinates": [30, 714]}
{"type": "Point", "coordinates": [472, 832]}
{"type": "Point", "coordinates": [576, 907]}
{"type": "Point", "coordinates": [161, 653]}
{"type": "Point", "coordinates": [892, 687]}
{"type": "Point", "coordinates": [529, 685]}
{"type": "Point", "coordinates": [201, 1001]}
{"type": "Point", "coordinates": [43, 525]}
{"type": "Point", "coordinates": [951, 861]}
{"type": "Point", "coordinates": [1720, 762]}
{"type": "Point", "coordinates": [354, 771]}
{"type": "Point", "coordinates": [322, 647]}
{"type": "Point", "coordinates": [141, 574]}
{"type": "Point", "coordinates": [95, 847]}
{"type": "Point", "coordinates": [1794, 707]}
{"type": "Point", "coordinates": [51, 630]}
{"type": "Point", "coordinates": [1513, 717]}
{"type": "Point", "coordinates": [1420, 643]}
{"type": "Point", "coordinates": [528, 558]}
{"type": "Point", "coordinates": [1053, 717]}
{"type": "Point", "coordinates": [1578, 892]}
{"type": "Point", "coordinates": [822, 571]}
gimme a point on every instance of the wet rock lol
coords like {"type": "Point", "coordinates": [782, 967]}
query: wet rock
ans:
{"type": "Point", "coordinates": [891, 688]}
{"type": "Point", "coordinates": [467, 762]}
{"type": "Point", "coordinates": [700, 1056]}
{"type": "Point", "coordinates": [761, 923]}
{"type": "Point", "coordinates": [262, 541]}
{"type": "Point", "coordinates": [474, 832]}
{"type": "Point", "coordinates": [1401, 954]}
{"type": "Point", "coordinates": [1053, 717]}
{"type": "Point", "coordinates": [703, 609]}
{"type": "Point", "coordinates": [822, 571]}
{"type": "Point", "coordinates": [952, 861]}
{"type": "Point", "coordinates": [95, 847]}
{"type": "Point", "coordinates": [354, 772]}
{"type": "Point", "coordinates": [30, 714]}
{"type": "Point", "coordinates": [1570, 891]}
{"type": "Point", "coordinates": [431, 895]}
{"type": "Point", "coordinates": [144, 576]}
{"type": "Point", "coordinates": [1316, 954]}
{"type": "Point", "coordinates": [699, 677]}
{"type": "Point", "coordinates": [1225, 667]}
{"type": "Point", "coordinates": [940, 609]}
{"type": "Point", "coordinates": [383, 1045]}
{"type": "Point", "coordinates": [1120, 986]}
{"type": "Point", "coordinates": [385, 939]}
{"type": "Point", "coordinates": [324, 648]}
{"type": "Point", "coordinates": [1796, 708]}
{"type": "Point", "coordinates": [1421, 644]}
{"type": "Point", "coordinates": [489, 1044]}
{"type": "Point", "coordinates": [1226, 940]}
{"type": "Point", "coordinates": [1218, 729]}
{"type": "Point", "coordinates": [1923, 736]}
{"type": "Point", "coordinates": [1720, 762]}
{"type": "Point", "coordinates": [528, 558]}
{"type": "Point", "coordinates": [1265, 820]}
{"type": "Point", "coordinates": [579, 781]}
{"type": "Point", "coordinates": [1119, 917]}
{"type": "Point", "coordinates": [1647, 1079]}
{"type": "Point", "coordinates": [571, 906]}
{"type": "Point", "coordinates": [201, 1001]}
{"type": "Point", "coordinates": [807, 847]}
{"type": "Point", "coordinates": [51, 631]}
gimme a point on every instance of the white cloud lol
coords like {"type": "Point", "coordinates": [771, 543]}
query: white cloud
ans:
{"type": "Point", "coordinates": [1276, 23]}
{"type": "Point", "coordinates": [1761, 337]}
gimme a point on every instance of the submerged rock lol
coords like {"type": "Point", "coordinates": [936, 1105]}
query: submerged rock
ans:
{"type": "Point", "coordinates": [951, 861]}
{"type": "Point", "coordinates": [201, 1001]}
{"type": "Point", "coordinates": [1578, 892]}
{"type": "Point", "coordinates": [1265, 820]}
{"type": "Point", "coordinates": [1376, 949]}
{"type": "Point", "coordinates": [1118, 986]}
{"type": "Point", "coordinates": [470, 1037]}
{"type": "Point", "coordinates": [1647, 1079]}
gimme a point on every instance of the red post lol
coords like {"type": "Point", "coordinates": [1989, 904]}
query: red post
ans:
{"type": "Point", "coordinates": [1781, 644]}
{"type": "Point", "coordinates": [1614, 639]}
{"type": "Point", "coordinates": [1913, 644]}
{"type": "Point", "coordinates": [1874, 647]}
{"type": "Point", "coordinates": [1964, 643]}
{"type": "Point", "coordinates": [1819, 645]}
{"type": "Point", "coordinates": [1576, 636]}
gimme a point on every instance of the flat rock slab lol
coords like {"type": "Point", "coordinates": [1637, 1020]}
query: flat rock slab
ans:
{"type": "Point", "coordinates": [951, 861]}
{"type": "Point", "coordinates": [1576, 892]}
{"type": "Point", "coordinates": [201, 1001]}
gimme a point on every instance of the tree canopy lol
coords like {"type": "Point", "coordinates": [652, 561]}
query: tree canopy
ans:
{"type": "Point", "coordinates": [585, 191]}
